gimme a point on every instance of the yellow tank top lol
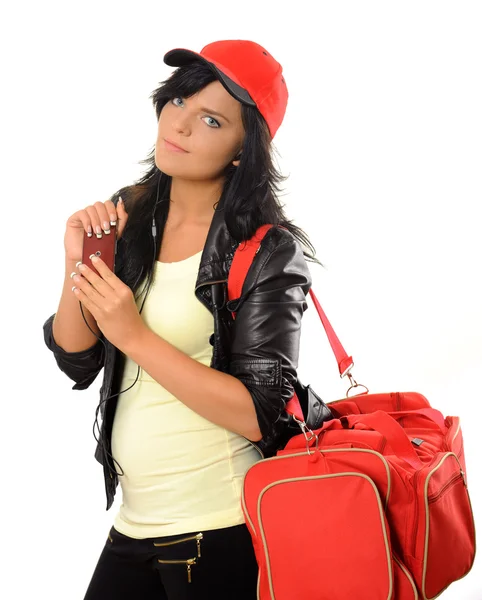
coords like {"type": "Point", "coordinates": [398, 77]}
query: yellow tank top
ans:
{"type": "Point", "coordinates": [182, 473]}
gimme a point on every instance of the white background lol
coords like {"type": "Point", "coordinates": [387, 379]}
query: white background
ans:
{"type": "Point", "coordinates": [382, 141]}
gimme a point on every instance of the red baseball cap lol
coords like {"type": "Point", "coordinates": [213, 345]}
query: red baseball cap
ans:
{"type": "Point", "coordinates": [247, 71]}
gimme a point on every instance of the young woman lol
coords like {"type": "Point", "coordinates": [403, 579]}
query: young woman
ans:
{"type": "Point", "coordinates": [190, 397]}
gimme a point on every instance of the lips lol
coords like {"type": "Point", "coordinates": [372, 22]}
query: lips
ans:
{"type": "Point", "coordinates": [173, 146]}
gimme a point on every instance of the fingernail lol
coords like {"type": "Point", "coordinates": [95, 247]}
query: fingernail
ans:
{"type": "Point", "coordinates": [106, 227]}
{"type": "Point", "coordinates": [91, 256]}
{"type": "Point", "coordinates": [78, 263]}
{"type": "Point", "coordinates": [120, 199]}
{"type": "Point", "coordinates": [72, 274]}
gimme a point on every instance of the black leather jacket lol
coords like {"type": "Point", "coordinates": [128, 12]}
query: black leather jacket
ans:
{"type": "Point", "coordinates": [260, 347]}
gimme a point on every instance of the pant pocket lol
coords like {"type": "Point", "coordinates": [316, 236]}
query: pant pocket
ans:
{"type": "Point", "coordinates": [188, 563]}
{"type": "Point", "coordinates": [172, 552]}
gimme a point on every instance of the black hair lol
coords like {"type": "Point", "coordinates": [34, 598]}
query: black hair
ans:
{"type": "Point", "coordinates": [250, 190]}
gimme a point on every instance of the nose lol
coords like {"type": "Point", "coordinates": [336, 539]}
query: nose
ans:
{"type": "Point", "coordinates": [181, 124]}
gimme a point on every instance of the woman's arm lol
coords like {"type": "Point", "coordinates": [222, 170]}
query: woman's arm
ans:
{"type": "Point", "coordinates": [78, 353]}
{"type": "Point", "coordinates": [68, 327]}
{"type": "Point", "coordinates": [216, 396]}
{"type": "Point", "coordinates": [265, 346]}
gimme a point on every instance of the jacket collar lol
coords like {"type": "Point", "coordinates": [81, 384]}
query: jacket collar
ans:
{"type": "Point", "coordinates": [218, 251]}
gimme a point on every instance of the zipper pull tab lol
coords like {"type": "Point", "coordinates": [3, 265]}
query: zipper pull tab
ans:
{"type": "Point", "coordinates": [463, 477]}
{"type": "Point", "coordinates": [189, 564]}
{"type": "Point", "coordinates": [199, 537]}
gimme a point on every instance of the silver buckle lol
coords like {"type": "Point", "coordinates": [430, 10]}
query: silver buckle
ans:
{"type": "Point", "coordinates": [308, 433]}
{"type": "Point", "coordinates": [354, 384]}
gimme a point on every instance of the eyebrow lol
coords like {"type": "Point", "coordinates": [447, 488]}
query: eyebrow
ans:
{"type": "Point", "coordinates": [214, 112]}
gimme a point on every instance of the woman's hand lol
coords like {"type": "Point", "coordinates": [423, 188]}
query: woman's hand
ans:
{"type": "Point", "coordinates": [93, 219]}
{"type": "Point", "coordinates": [111, 303]}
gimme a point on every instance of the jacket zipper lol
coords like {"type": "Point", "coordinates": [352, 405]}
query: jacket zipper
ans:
{"type": "Point", "coordinates": [189, 562]}
{"type": "Point", "coordinates": [210, 283]}
{"type": "Point", "coordinates": [225, 281]}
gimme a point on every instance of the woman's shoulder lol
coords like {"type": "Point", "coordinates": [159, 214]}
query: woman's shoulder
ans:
{"type": "Point", "coordinates": [281, 240]}
{"type": "Point", "coordinates": [283, 254]}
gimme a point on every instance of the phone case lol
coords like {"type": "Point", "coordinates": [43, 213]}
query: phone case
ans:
{"type": "Point", "coordinates": [104, 247]}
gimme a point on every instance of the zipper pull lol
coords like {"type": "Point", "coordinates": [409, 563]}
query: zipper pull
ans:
{"type": "Point", "coordinates": [199, 537]}
{"type": "Point", "coordinates": [463, 477]}
{"type": "Point", "coordinates": [189, 563]}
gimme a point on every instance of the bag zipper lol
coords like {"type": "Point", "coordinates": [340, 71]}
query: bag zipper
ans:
{"type": "Point", "coordinates": [425, 557]}
{"type": "Point", "coordinates": [189, 562]}
{"type": "Point", "coordinates": [426, 497]}
{"type": "Point", "coordinates": [415, 513]}
{"type": "Point", "coordinates": [450, 483]}
{"type": "Point", "coordinates": [407, 574]}
{"type": "Point", "coordinates": [198, 537]}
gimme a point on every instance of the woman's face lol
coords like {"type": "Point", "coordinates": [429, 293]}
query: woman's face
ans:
{"type": "Point", "coordinates": [208, 126]}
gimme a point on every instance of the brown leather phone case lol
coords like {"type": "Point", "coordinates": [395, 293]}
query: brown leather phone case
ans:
{"type": "Point", "coordinates": [104, 247]}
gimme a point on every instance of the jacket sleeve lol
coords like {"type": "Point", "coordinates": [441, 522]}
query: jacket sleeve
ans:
{"type": "Point", "coordinates": [82, 367]}
{"type": "Point", "coordinates": [266, 334]}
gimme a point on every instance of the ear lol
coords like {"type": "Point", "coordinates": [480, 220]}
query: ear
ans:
{"type": "Point", "coordinates": [237, 159]}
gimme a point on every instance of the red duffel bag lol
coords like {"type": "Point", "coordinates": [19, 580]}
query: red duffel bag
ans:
{"type": "Point", "coordinates": [373, 505]}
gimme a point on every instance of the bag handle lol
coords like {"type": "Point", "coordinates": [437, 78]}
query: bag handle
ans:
{"type": "Point", "coordinates": [386, 425]}
{"type": "Point", "coordinates": [432, 414]}
{"type": "Point", "coordinates": [242, 260]}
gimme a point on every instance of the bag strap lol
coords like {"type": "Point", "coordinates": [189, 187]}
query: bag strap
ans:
{"type": "Point", "coordinates": [396, 436]}
{"type": "Point", "coordinates": [432, 414]}
{"type": "Point", "coordinates": [242, 260]}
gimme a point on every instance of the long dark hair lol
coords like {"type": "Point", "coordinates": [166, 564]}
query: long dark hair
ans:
{"type": "Point", "coordinates": [249, 193]}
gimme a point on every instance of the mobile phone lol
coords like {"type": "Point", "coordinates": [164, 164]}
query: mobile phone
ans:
{"type": "Point", "coordinates": [104, 247]}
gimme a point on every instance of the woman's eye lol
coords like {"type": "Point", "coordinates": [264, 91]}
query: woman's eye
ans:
{"type": "Point", "coordinates": [212, 122]}
{"type": "Point", "coordinates": [216, 124]}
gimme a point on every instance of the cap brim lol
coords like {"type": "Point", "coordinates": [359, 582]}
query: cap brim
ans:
{"type": "Point", "coordinates": [180, 57]}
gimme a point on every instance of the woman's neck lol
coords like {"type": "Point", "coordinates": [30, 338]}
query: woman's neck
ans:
{"type": "Point", "coordinates": [193, 201]}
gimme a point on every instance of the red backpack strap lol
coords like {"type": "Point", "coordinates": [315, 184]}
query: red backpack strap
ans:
{"type": "Point", "coordinates": [243, 257]}
{"type": "Point", "coordinates": [242, 260]}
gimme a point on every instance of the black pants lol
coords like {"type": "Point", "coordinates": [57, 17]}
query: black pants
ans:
{"type": "Point", "coordinates": [219, 564]}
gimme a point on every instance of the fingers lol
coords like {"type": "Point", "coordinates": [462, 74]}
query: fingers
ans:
{"type": "Point", "coordinates": [110, 211]}
{"type": "Point", "coordinates": [102, 217]}
{"type": "Point", "coordinates": [85, 219]}
{"type": "Point", "coordinates": [121, 217]}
